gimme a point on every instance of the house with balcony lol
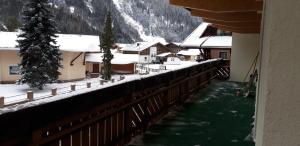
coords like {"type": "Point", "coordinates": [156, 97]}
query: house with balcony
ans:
{"type": "Point", "coordinates": [147, 51]}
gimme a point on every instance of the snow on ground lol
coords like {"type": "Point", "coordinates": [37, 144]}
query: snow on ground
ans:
{"type": "Point", "coordinates": [15, 94]}
{"type": "Point", "coordinates": [66, 42]}
{"type": "Point", "coordinates": [129, 20]}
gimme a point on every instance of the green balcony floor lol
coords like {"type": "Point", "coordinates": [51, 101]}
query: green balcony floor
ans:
{"type": "Point", "coordinates": [214, 117]}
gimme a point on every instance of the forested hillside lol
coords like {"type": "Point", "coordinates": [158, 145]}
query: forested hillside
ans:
{"type": "Point", "coordinates": [133, 20]}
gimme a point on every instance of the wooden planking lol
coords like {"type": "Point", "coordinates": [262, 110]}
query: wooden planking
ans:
{"type": "Point", "coordinates": [240, 16]}
{"type": "Point", "coordinates": [228, 16]}
{"type": "Point", "coordinates": [85, 136]}
{"type": "Point", "coordinates": [101, 133]}
{"type": "Point", "coordinates": [108, 131]}
{"type": "Point", "coordinates": [221, 5]}
{"type": "Point", "coordinates": [238, 29]}
{"type": "Point", "coordinates": [76, 139]}
{"type": "Point", "coordinates": [114, 127]}
{"type": "Point", "coordinates": [234, 23]}
{"type": "Point", "coordinates": [66, 141]}
{"type": "Point", "coordinates": [56, 143]}
{"type": "Point", "coordinates": [94, 135]}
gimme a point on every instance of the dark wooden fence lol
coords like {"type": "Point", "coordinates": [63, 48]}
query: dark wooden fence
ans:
{"type": "Point", "coordinates": [223, 72]}
{"type": "Point", "coordinates": [106, 117]}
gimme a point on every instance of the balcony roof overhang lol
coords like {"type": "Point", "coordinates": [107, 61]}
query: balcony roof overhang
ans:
{"type": "Point", "coordinates": [241, 16]}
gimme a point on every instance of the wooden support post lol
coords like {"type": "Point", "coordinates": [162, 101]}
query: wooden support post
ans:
{"type": "Point", "coordinates": [1, 102]}
{"type": "Point", "coordinates": [73, 87]}
{"type": "Point", "coordinates": [88, 85]}
{"type": "Point", "coordinates": [101, 82]}
{"type": "Point", "coordinates": [122, 77]}
{"type": "Point", "coordinates": [112, 80]}
{"type": "Point", "coordinates": [54, 92]}
{"type": "Point", "coordinates": [30, 95]}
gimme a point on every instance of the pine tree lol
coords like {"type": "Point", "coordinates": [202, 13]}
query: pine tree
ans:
{"type": "Point", "coordinates": [107, 42]}
{"type": "Point", "coordinates": [12, 23]}
{"type": "Point", "coordinates": [40, 57]}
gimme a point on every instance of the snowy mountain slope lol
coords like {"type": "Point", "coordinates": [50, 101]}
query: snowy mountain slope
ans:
{"type": "Point", "coordinates": [134, 20]}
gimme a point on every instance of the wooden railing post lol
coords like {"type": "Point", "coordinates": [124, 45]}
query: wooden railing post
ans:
{"type": "Point", "coordinates": [88, 85]}
{"type": "Point", "coordinates": [54, 92]}
{"type": "Point", "coordinates": [30, 95]}
{"type": "Point", "coordinates": [1, 102]}
{"type": "Point", "coordinates": [73, 87]}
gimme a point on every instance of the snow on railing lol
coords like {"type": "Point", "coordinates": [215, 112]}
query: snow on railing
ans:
{"type": "Point", "coordinates": [83, 87]}
{"type": "Point", "coordinates": [30, 95]}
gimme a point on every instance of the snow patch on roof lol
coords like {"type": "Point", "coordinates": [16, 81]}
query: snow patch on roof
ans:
{"type": "Point", "coordinates": [118, 58]}
{"type": "Point", "coordinates": [195, 35]}
{"type": "Point", "coordinates": [66, 42]}
{"type": "Point", "coordinates": [94, 57]}
{"type": "Point", "coordinates": [218, 42]}
{"type": "Point", "coordinates": [139, 46]}
{"type": "Point", "coordinates": [164, 54]}
{"type": "Point", "coordinates": [189, 52]}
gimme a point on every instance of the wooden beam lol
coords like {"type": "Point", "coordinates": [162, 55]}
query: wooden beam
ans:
{"type": "Point", "coordinates": [234, 23]}
{"type": "Point", "coordinates": [228, 16]}
{"type": "Point", "coordinates": [221, 5]}
{"type": "Point", "coordinates": [238, 29]}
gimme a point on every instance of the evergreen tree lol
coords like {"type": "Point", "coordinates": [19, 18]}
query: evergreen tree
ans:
{"type": "Point", "coordinates": [40, 57]}
{"type": "Point", "coordinates": [12, 23]}
{"type": "Point", "coordinates": [107, 42]}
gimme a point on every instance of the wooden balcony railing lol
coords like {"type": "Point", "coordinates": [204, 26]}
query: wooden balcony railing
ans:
{"type": "Point", "coordinates": [106, 117]}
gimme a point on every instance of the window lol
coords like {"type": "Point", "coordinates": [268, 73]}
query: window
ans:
{"type": "Point", "coordinates": [14, 70]}
{"type": "Point", "coordinates": [145, 58]}
{"type": "Point", "coordinates": [223, 55]}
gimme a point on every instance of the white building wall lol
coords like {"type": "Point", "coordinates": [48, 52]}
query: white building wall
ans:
{"type": "Point", "coordinates": [278, 108]}
{"type": "Point", "coordinates": [244, 50]}
{"type": "Point", "coordinates": [144, 59]}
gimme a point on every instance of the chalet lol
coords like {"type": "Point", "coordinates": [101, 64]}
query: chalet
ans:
{"type": "Point", "coordinates": [93, 64]}
{"type": "Point", "coordinates": [174, 47]}
{"type": "Point", "coordinates": [190, 54]}
{"type": "Point", "coordinates": [121, 63]}
{"type": "Point", "coordinates": [71, 47]}
{"type": "Point", "coordinates": [215, 44]}
{"type": "Point", "coordinates": [172, 60]}
{"type": "Point", "coordinates": [147, 51]}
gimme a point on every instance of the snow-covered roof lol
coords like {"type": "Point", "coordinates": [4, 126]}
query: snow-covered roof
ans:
{"type": "Point", "coordinates": [139, 46]}
{"type": "Point", "coordinates": [211, 42]}
{"type": "Point", "coordinates": [194, 37]}
{"type": "Point", "coordinates": [164, 54]}
{"type": "Point", "coordinates": [67, 42]}
{"type": "Point", "coordinates": [118, 58]}
{"type": "Point", "coordinates": [175, 43]}
{"type": "Point", "coordinates": [121, 45]}
{"type": "Point", "coordinates": [125, 58]}
{"type": "Point", "coordinates": [218, 42]}
{"type": "Point", "coordinates": [94, 57]}
{"type": "Point", "coordinates": [78, 43]}
{"type": "Point", "coordinates": [189, 52]}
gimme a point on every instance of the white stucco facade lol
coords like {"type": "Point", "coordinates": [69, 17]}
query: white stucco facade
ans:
{"type": "Point", "coordinates": [245, 48]}
{"type": "Point", "coordinates": [278, 105]}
